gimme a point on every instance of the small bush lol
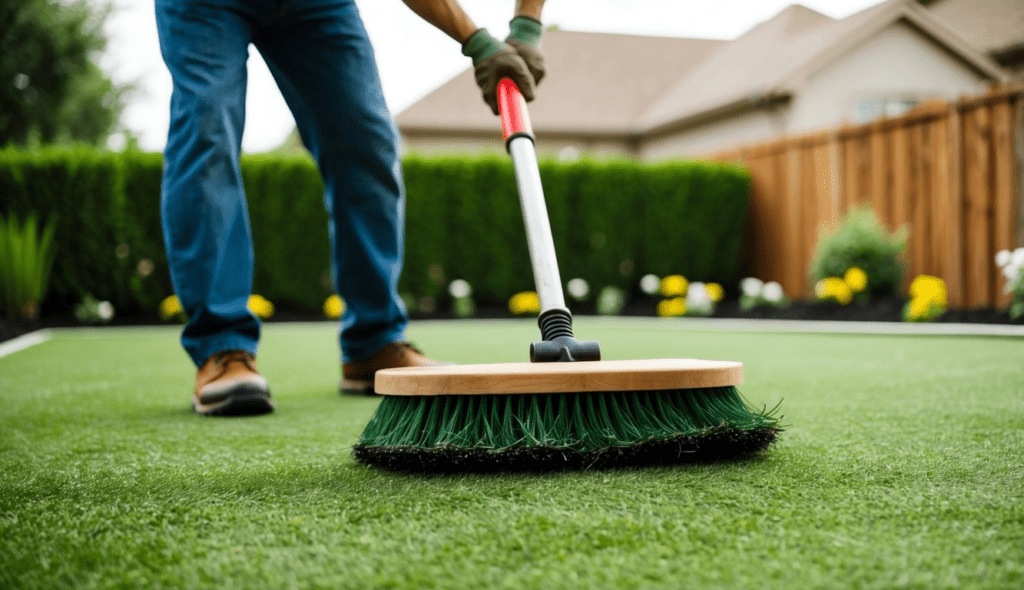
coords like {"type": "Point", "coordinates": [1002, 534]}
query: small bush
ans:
{"type": "Point", "coordinates": [26, 255]}
{"type": "Point", "coordinates": [861, 241]}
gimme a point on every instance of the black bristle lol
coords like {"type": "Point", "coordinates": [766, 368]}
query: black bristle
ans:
{"type": "Point", "coordinates": [573, 430]}
{"type": "Point", "coordinates": [723, 445]}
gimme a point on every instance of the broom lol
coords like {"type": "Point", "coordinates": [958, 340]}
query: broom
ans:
{"type": "Point", "coordinates": [566, 409]}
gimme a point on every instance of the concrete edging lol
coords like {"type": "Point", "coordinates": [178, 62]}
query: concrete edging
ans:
{"type": "Point", "coordinates": [24, 341]}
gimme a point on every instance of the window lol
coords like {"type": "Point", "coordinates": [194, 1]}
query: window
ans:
{"type": "Point", "coordinates": [871, 109]}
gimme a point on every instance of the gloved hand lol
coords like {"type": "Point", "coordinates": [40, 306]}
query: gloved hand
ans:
{"type": "Point", "coordinates": [524, 36]}
{"type": "Point", "coordinates": [494, 60]}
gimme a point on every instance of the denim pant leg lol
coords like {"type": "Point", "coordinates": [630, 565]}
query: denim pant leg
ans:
{"type": "Point", "coordinates": [321, 58]}
{"type": "Point", "coordinates": [204, 214]}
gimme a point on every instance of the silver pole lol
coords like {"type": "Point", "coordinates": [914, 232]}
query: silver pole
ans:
{"type": "Point", "coordinates": [538, 227]}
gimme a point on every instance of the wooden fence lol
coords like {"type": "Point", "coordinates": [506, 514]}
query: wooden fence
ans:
{"type": "Point", "coordinates": [950, 172]}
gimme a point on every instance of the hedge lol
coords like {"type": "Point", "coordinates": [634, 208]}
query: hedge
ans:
{"type": "Point", "coordinates": [612, 222]}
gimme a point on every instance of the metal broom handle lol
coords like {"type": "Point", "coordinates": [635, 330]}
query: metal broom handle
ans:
{"type": "Point", "coordinates": [515, 126]}
{"type": "Point", "coordinates": [555, 319]}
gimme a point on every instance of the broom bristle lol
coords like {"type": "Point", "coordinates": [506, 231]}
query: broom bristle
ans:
{"type": "Point", "coordinates": [563, 431]}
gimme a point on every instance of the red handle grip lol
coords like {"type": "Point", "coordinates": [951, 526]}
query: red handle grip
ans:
{"type": "Point", "coordinates": [515, 120]}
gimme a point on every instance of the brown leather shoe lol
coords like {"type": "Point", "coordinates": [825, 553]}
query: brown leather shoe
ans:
{"type": "Point", "coordinates": [358, 375]}
{"type": "Point", "coordinates": [228, 385]}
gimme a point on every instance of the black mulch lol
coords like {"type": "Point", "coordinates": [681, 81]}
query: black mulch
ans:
{"type": "Point", "coordinates": [883, 310]}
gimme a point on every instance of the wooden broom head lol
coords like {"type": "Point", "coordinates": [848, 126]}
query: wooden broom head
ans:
{"type": "Point", "coordinates": [557, 377]}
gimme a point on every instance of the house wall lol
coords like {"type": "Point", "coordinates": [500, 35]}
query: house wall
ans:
{"type": "Point", "coordinates": [899, 63]}
{"type": "Point", "coordinates": [712, 136]}
{"type": "Point", "coordinates": [448, 145]}
{"type": "Point", "coordinates": [566, 148]}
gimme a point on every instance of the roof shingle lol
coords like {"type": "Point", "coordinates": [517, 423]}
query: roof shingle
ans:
{"type": "Point", "coordinates": [612, 79]}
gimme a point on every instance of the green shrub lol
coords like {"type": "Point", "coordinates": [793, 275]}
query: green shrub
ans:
{"type": "Point", "coordinates": [143, 248]}
{"type": "Point", "coordinates": [862, 241]}
{"type": "Point", "coordinates": [695, 216]}
{"type": "Point", "coordinates": [289, 230]}
{"type": "Point", "coordinates": [83, 189]}
{"type": "Point", "coordinates": [26, 255]}
{"type": "Point", "coordinates": [611, 221]}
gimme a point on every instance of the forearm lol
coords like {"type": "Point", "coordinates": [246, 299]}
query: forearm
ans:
{"type": "Point", "coordinates": [517, 58]}
{"type": "Point", "coordinates": [448, 16]}
{"type": "Point", "coordinates": [530, 8]}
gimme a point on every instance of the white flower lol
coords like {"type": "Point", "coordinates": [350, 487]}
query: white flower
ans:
{"type": "Point", "coordinates": [105, 310]}
{"type": "Point", "coordinates": [610, 301]}
{"type": "Point", "coordinates": [1011, 270]}
{"type": "Point", "coordinates": [773, 292]}
{"type": "Point", "coordinates": [459, 289]}
{"type": "Point", "coordinates": [1003, 257]}
{"type": "Point", "coordinates": [650, 284]}
{"type": "Point", "coordinates": [751, 287]}
{"type": "Point", "coordinates": [578, 288]}
{"type": "Point", "coordinates": [1018, 257]}
{"type": "Point", "coordinates": [698, 302]}
{"type": "Point", "coordinates": [697, 294]}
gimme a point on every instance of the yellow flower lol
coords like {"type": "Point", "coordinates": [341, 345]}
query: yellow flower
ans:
{"type": "Point", "coordinates": [715, 291]}
{"type": "Point", "coordinates": [674, 286]}
{"type": "Point", "coordinates": [928, 298]}
{"type": "Point", "coordinates": [856, 278]}
{"type": "Point", "coordinates": [260, 306]}
{"type": "Point", "coordinates": [926, 286]}
{"type": "Point", "coordinates": [523, 303]}
{"type": "Point", "coordinates": [834, 288]}
{"type": "Point", "coordinates": [334, 306]}
{"type": "Point", "coordinates": [672, 307]}
{"type": "Point", "coordinates": [919, 308]}
{"type": "Point", "coordinates": [170, 307]}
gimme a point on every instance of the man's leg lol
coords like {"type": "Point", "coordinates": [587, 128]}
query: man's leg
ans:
{"type": "Point", "coordinates": [322, 60]}
{"type": "Point", "coordinates": [205, 220]}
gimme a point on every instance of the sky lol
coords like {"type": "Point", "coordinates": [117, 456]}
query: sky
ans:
{"type": "Point", "coordinates": [413, 57]}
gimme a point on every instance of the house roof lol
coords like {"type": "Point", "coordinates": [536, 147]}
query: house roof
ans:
{"type": "Point", "coordinates": [991, 26]}
{"type": "Point", "coordinates": [596, 83]}
{"type": "Point", "coordinates": [630, 85]}
{"type": "Point", "coordinates": [774, 58]}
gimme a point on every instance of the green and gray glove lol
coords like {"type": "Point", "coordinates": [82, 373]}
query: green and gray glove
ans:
{"type": "Point", "coordinates": [494, 60]}
{"type": "Point", "coordinates": [524, 36]}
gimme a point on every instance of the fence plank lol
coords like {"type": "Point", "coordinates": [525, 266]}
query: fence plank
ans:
{"type": "Point", "coordinates": [861, 153]}
{"type": "Point", "coordinates": [949, 170]}
{"type": "Point", "coordinates": [948, 239]}
{"type": "Point", "coordinates": [901, 184]}
{"type": "Point", "coordinates": [880, 191]}
{"type": "Point", "coordinates": [764, 219]}
{"type": "Point", "coordinates": [977, 207]}
{"type": "Point", "coordinates": [824, 178]}
{"type": "Point", "coordinates": [812, 212]}
{"type": "Point", "coordinates": [921, 146]}
{"type": "Point", "coordinates": [792, 227]}
{"type": "Point", "coordinates": [1004, 193]}
{"type": "Point", "coordinates": [835, 157]}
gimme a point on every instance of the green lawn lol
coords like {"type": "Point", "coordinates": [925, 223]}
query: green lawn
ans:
{"type": "Point", "coordinates": [902, 466]}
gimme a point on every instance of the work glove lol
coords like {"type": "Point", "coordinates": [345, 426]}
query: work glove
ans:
{"type": "Point", "coordinates": [494, 60]}
{"type": "Point", "coordinates": [524, 36]}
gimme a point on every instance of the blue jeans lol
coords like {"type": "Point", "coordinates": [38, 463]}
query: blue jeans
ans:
{"type": "Point", "coordinates": [321, 58]}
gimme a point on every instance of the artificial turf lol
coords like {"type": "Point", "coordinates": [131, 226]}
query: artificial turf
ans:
{"type": "Point", "coordinates": [902, 466]}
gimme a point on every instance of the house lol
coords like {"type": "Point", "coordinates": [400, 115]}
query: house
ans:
{"type": "Point", "coordinates": [655, 98]}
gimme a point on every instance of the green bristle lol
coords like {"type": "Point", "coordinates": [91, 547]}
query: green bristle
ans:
{"type": "Point", "coordinates": [563, 430]}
